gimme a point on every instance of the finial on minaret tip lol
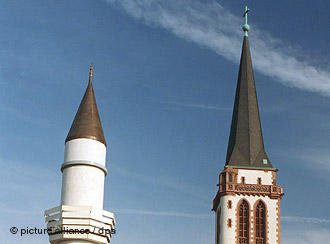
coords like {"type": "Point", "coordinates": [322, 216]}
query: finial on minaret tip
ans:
{"type": "Point", "coordinates": [91, 73]}
{"type": "Point", "coordinates": [246, 27]}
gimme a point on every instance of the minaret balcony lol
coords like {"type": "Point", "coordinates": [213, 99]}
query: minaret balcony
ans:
{"type": "Point", "coordinates": [79, 223]}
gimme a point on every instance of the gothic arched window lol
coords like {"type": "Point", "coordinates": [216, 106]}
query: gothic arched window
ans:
{"type": "Point", "coordinates": [243, 223]}
{"type": "Point", "coordinates": [260, 223]}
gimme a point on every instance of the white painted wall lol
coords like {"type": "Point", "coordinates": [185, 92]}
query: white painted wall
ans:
{"type": "Point", "coordinates": [85, 149]}
{"type": "Point", "coordinates": [251, 176]}
{"type": "Point", "coordinates": [83, 185]}
{"type": "Point", "coordinates": [228, 234]}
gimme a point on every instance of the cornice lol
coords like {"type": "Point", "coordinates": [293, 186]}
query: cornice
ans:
{"type": "Point", "coordinates": [232, 188]}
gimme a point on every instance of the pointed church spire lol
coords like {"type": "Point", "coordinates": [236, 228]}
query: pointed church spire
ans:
{"type": "Point", "coordinates": [86, 123]}
{"type": "Point", "coordinates": [246, 146]}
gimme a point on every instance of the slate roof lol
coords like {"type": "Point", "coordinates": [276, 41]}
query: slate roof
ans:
{"type": "Point", "coordinates": [246, 146]}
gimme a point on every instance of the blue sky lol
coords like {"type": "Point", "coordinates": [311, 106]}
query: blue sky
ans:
{"type": "Point", "coordinates": [164, 76]}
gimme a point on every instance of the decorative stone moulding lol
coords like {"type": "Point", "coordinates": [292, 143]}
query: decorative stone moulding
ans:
{"type": "Point", "coordinates": [79, 223]}
{"type": "Point", "coordinates": [230, 188]}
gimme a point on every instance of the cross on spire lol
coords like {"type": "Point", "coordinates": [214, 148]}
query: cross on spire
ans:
{"type": "Point", "coordinates": [245, 13]}
{"type": "Point", "coordinates": [246, 27]}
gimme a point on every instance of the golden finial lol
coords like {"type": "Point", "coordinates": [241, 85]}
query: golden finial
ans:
{"type": "Point", "coordinates": [246, 27]}
{"type": "Point", "coordinates": [91, 73]}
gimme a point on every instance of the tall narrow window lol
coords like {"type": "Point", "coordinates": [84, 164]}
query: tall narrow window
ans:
{"type": "Point", "coordinates": [259, 180]}
{"type": "Point", "coordinates": [229, 204]}
{"type": "Point", "coordinates": [229, 223]}
{"type": "Point", "coordinates": [243, 180]}
{"type": "Point", "coordinates": [218, 226]}
{"type": "Point", "coordinates": [243, 223]}
{"type": "Point", "coordinates": [224, 178]}
{"type": "Point", "coordinates": [260, 223]}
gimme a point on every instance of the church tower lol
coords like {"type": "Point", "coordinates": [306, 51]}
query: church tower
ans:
{"type": "Point", "coordinates": [247, 204]}
{"type": "Point", "coordinates": [80, 218]}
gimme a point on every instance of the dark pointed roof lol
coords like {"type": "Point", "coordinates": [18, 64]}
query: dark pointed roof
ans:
{"type": "Point", "coordinates": [86, 123]}
{"type": "Point", "coordinates": [246, 146]}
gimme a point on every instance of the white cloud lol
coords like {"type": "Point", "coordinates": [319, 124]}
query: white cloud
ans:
{"type": "Point", "coordinates": [289, 219]}
{"type": "Point", "coordinates": [315, 159]}
{"type": "Point", "coordinates": [198, 106]}
{"type": "Point", "coordinates": [212, 26]}
{"type": "Point", "coordinates": [26, 191]}
{"type": "Point", "coordinates": [306, 237]}
{"type": "Point", "coordinates": [163, 213]}
{"type": "Point", "coordinates": [297, 219]}
{"type": "Point", "coordinates": [165, 181]}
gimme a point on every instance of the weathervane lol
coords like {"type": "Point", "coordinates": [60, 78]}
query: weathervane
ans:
{"type": "Point", "coordinates": [246, 27]}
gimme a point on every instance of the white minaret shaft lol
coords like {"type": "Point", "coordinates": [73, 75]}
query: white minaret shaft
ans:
{"type": "Point", "coordinates": [83, 173]}
{"type": "Point", "coordinates": [80, 218]}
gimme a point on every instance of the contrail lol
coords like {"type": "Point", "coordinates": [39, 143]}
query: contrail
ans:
{"type": "Point", "coordinates": [212, 26]}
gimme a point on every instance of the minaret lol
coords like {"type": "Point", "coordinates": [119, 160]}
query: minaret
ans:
{"type": "Point", "coordinates": [247, 204]}
{"type": "Point", "coordinates": [80, 218]}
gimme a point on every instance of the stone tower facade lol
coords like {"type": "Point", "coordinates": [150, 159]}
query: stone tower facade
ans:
{"type": "Point", "coordinates": [80, 218]}
{"type": "Point", "coordinates": [247, 204]}
{"type": "Point", "coordinates": [247, 207]}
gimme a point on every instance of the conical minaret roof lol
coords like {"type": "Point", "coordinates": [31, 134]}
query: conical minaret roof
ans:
{"type": "Point", "coordinates": [87, 123]}
{"type": "Point", "coordinates": [246, 146]}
